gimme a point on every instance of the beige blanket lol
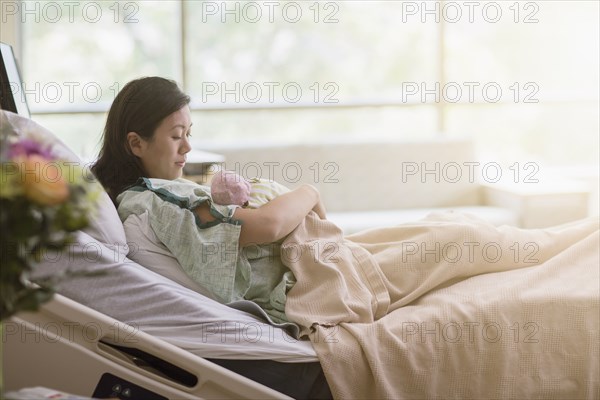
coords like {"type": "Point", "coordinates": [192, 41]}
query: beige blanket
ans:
{"type": "Point", "coordinates": [450, 307]}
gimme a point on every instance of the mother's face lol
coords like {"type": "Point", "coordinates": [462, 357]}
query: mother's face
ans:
{"type": "Point", "coordinates": [163, 156]}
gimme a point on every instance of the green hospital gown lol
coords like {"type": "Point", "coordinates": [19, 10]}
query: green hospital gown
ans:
{"type": "Point", "coordinates": [209, 252]}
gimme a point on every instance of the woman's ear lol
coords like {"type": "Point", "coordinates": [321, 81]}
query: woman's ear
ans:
{"type": "Point", "coordinates": [135, 143]}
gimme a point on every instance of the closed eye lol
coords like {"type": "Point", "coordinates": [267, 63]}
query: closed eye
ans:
{"type": "Point", "coordinates": [187, 135]}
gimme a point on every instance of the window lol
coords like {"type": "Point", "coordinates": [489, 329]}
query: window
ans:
{"type": "Point", "coordinates": [519, 77]}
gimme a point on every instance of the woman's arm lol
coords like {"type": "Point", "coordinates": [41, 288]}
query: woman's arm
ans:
{"type": "Point", "coordinates": [275, 219]}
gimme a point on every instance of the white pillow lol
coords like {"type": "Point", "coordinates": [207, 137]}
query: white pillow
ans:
{"type": "Point", "coordinates": [146, 249]}
{"type": "Point", "coordinates": [105, 225]}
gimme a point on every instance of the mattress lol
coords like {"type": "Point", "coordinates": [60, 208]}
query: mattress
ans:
{"type": "Point", "coordinates": [165, 309]}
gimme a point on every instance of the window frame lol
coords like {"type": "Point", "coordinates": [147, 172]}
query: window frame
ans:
{"type": "Point", "coordinates": [441, 107]}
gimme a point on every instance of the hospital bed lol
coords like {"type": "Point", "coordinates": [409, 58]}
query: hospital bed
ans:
{"type": "Point", "coordinates": [133, 331]}
{"type": "Point", "coordinates": [73, 348]}
{"type": "Point", "coordinates": [532, 330]}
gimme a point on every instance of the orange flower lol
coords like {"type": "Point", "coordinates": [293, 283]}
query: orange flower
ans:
{"type": "Point", "coordinates": [42, 180]}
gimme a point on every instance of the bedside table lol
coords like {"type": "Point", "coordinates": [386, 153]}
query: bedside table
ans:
{"type": "Point", "coordinates": [200, 166]}
{"type": "Point", "coordinates": [541, 205]}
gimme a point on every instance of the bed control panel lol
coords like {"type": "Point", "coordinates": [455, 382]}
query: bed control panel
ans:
{"type": "Point", "coordinates": [115, 387]}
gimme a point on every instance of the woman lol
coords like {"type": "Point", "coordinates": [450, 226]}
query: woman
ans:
{"type": "Point", "coordinates": [147, 134]}
{"type": "Point", "coordinates": [235, 253]}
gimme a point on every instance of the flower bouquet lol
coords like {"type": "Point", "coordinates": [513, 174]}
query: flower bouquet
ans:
{"type": "Point", "coordinates": [43, 201]}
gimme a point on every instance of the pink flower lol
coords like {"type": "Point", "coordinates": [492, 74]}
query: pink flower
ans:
{"type": "Point", "coordinates": [28, 147]}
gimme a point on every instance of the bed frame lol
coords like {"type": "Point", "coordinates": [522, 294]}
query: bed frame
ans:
{"type": "Point", "coordinates": [69, 347]}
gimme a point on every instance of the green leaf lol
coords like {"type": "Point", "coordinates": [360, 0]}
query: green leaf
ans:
{"type": "Point", "coordinates": [31, 298]}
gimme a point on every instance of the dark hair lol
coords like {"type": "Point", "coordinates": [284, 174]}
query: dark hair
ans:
{"type": "Point", "coordinates": [139, 107]}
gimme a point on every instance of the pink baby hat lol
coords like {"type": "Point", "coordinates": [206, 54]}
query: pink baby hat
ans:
{"type": "Point", "coordinates": [229, 188]}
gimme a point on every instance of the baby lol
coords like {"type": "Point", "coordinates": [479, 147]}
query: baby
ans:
{"type": "Point", "coordinates": [229, 188]}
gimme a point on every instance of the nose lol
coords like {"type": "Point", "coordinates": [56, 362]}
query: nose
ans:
{"type": "Point", "coordinates": [186, 147]}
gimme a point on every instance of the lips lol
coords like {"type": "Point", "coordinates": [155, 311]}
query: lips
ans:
{"type": "Point", "coordinates": [180, 163]}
